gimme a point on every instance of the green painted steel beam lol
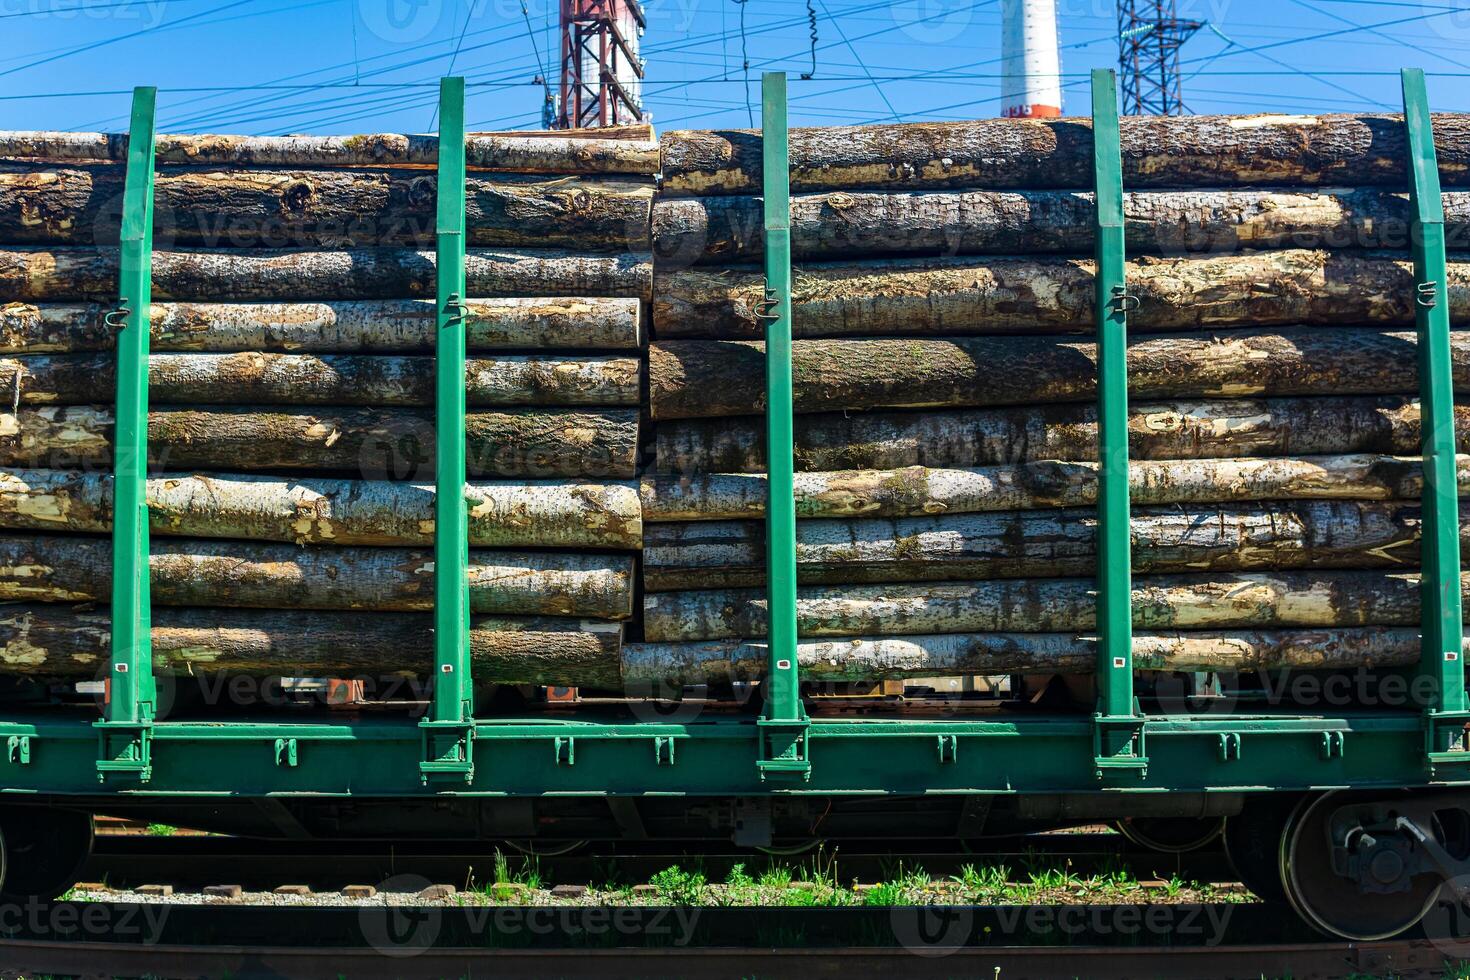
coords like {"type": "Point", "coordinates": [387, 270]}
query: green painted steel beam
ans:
{"type": "Point", "coordinates": [447, 732]}
{"type": "Point", "coordinates": [1442, 616]}
{"type": "Point", "coordinates": [124, 736]}
{"type": "Point", "coordinates": [784, 719]}
{"type": "Point", "coordinates": [1119, 742]}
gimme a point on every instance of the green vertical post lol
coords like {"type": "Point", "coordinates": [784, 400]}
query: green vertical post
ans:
{"type": "Point", "coordinates": [1119, 732]}
{"type": "Point", "coordinates": [783, 723]}
{"type": "Point", "coordinates": [124, 736]}
{"type": "Point", "coordinates": [1441, 630]}
{"type": "Point", "coordinates": [447, 733]}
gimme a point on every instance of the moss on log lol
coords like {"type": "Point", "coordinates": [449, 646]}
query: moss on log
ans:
{"type": "Point", "coordinates": [395, 444]}
{"type": "Point", "coordinates": [1026, 544]}
{"type": "Point", "coordinates": [247, 574]}
{"type": "Point", "coordinates": [998, 436]}
{"type": "Point", "coordinates": [254, 378]}
{"type": "Point", "coordinates": [701, 378]}
{"type": "Point", "coordinates": [1165, 151]}
{"type": "Point", "coordinates": [63, 275]}
{"type": "Point", "coordinates": [1318, 598]}
{"type": "Point", "coordinates": [372, 326]}
{"type": "Point", "coordinates": [323, 510]}
{"type": "Point", "coordinates": [56, 642]}
{"type": "Point", "coordinates": [837, 224]}
{"type": "Point", "coordinates": [1052, 294]}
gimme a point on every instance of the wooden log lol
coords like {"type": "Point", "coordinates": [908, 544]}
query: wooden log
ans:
{"type": "Point", "coordinates": [323, 510]}
{"type": "Point", "coordinates": [997, 436]}
{"type": "Point", "coordinates": [1164, 151]}
{"type": "Point", "coordinates": [702, 378]}
{"type": "Point", "coordinates": [372, 326]}
{"type": "Point", "coordinates": [1052, 294]}
{"type": "Point", "coordinates": [1024, 544]}
{"type": "Point", "coordinates": [396, 444]}
{"type": "Point", "coordinates": [1319, 598]}
{"type": "Point", "coordinates": [877, 658]}
{"type": "Point", "coordinates": [32, 275]}
{"type": "Point", "coordinates": [254, 378]}
{"type": "Point", "coordinates": [60, 643]}
{"type": "Point", "coordinates": [836, 224]}
{"type": "Point", "coordinates": [917, 490]}
{"type": "Point", "coordinates": [617, 131]}
{"type": "Point", "coordinates": [324, 208]}
{"type": "Point", "coordinates": [542, 153]}
{"type": "Point", "coordinates": [247, 574]}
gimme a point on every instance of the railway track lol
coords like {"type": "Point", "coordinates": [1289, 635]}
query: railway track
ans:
{"type": "Point", "coordinates": [383, 941]}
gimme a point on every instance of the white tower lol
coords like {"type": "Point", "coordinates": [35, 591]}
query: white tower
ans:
{"type": "Point", "coordinates": [1031, 85]}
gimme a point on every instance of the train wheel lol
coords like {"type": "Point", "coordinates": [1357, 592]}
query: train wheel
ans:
{"type": "Point", "coordinates": [45, 851]}
{"type": "Point", "coordinates": [1253, 843]}
{"type": "Point", "coordinates": [1171, 835]}
{"type": "Point", "coordinates": [1382, 900]}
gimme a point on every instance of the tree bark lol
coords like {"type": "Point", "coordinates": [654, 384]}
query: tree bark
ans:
{"type": "Point", "coordinates": [998, 436]}
{"type": "Point", "coordinates": [376, 327]}
{"type": "Point", "coordinates": [253, 378]}
{"type": "Point", "coordinates": [244, 574]}
{"type": "Point", "coordinates": [1306, 599]}
{"type": "Point", "coordinates": [837, 224]}
{"type": "Point", "coordinates": [916, 491]}
{"type": "Point", "coordinates": [1167, 151]}
{"type": "Point", "coordinates": [703, 378]}
{"type": "Point", "coordinates": [877, 658]}
{"type": "Point", "coordinates": [396, 444]}
{"type": "Point", "coordinates": [542, 153]}
{"type": "Point", "coordinates": [31, 275]}
{"type": "Point", "coordinates": [322, 510]}
{"type": "Point", "coordinates": [1019, 544]}
{"type": "Point", "coordinates": [235, 208]}
{"type": "Point", "coordinates": [1051, 294]}
{"type": "Point", "coordinates": [52, 642]}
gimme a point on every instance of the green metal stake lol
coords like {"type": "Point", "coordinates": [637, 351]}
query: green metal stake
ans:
{"type": "Point", "coordinates": [124, 738]}
{"type": "Point", "coordinates": [1441, 631]}
{"type": "Point", "coordinates": [447, 735]}
{"type": "Point", "coordinates": [784, 722]}
{"type": "Point", "coordinates": [1118, 729]}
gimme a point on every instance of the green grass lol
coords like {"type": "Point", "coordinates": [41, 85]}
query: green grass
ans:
{"type": "Point", "coordinates": [679, 886]}
{"type": "Point", "coordinates": [161, 830]}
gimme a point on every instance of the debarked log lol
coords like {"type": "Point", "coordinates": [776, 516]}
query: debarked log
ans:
{"type": "Point", "coordinates": [323, 510]}
{"type": "Point", "coordinates": [57, 642]}
{"type": "Point", "coordinates": [367, 326]}
{"type": "Point", "coordinates": [255, 378]}
{"type": "Point", "coordinates": [917, 490]}
{"type": "Point", "coordinates": [835, 224]}
{"type": "Point", "coordinates": [1024, 544]}
{"type": "Point", "coordinates": [518, 153]}
{"type": "Point", "coordinates": [395, 444]}
{"type": "Point", "coordinates": [705, 378]}
{"type": "Point", "coordinates": [1051, 294]}
{"type": "Point", "coordinates": [650, 666]}
{"type": "Point", "coordinates": [32, 275]}
{"type": "Point", "coordinates": [1157, 151]}
{"type": "Point", "coordinates": [245, 574]}
{"type": "Point", "coordinates": [1318, 598]}
{"type": "Point", "coordinates": [217, 208]}
{"type": "Point", "coordinates": [997, 436]}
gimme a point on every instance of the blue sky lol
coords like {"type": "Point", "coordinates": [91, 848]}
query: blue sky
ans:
{"type": "Point", "coordinates": [875, 61]}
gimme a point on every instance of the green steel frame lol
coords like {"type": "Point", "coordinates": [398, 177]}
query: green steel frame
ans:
{"type": "Point", "coordinates": [124, 738]}
{"type": "Point", "coordinates": [784, 751]}
{"type": "Point", "coordinates": [448, 732]}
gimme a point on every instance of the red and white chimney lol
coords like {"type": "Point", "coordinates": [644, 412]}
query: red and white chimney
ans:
{"type": "Point", "coordinates": [1031, 82]}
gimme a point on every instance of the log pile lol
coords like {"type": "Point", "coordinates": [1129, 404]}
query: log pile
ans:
{"type": "Point", "coordinates": [945, 385]}
{"type": "Point", "coordinates": [291, 430]}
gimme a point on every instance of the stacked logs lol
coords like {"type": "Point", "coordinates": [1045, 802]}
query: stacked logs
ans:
{"type": "Point", "coordinates": [291, 425]}
{"type": "Point", "coordinates": [945, 378]}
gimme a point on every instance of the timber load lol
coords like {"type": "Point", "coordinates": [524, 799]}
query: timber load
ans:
{"type": "Point", "coordinates": [945, 382]}
{"type": "Point", "coordinates": [291, 433]}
